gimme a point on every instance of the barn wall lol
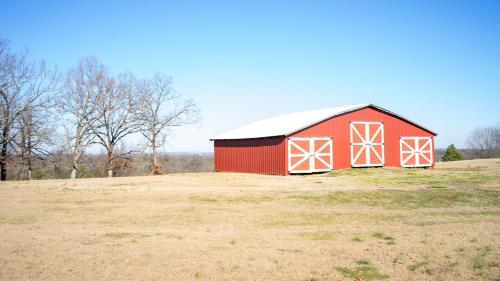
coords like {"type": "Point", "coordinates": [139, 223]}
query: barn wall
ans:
{"type": "Point", "coordinates": [338, 128]}
{"type": "Point", "coordinates": [262, 155]}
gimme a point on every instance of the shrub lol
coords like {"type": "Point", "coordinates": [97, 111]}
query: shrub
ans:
{"type": "Point", "coordinates": [41, 175]}
{"type": "Point", "coordinates": [452, 154]}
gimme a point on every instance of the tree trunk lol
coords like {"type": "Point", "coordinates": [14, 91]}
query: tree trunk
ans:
{"type": "Point", "coordinates": [74, 167]}
{"type": "Point", "coordinates": [76, 158]}
{"type": "Point", "coordinates": [29, 167]}
{"type": "Point", "coordinates": [73, 173]}
{"type": "Point", "coordinates": [3, 172]}
{"type": "Point", "coordinates": [155, 158]}
{"type": "Point", "coordinates": [156, 167]}
{"type": "Point", "coordinates": [3, 155]}
{"type": "Point", "coordinates": [109, 163]}
{"type": "Point", "coordinates": [29, 156]}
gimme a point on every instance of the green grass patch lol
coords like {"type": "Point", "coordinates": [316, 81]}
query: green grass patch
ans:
{"type": "Point", "coordinates": [449, 267]}
{"type": "Point", "coordinates": [348, 172]}
{"type": "Point", "coordinates": [428, 198]}
{"type": "Point", "coordinates": [479, 260]}
{"type": "Point", "coordinates": [483, 264]}
{"type": "Point", "coordinates": [363, 262]}
{"type": "Point", "coordinates": [204, 199]}
{"type": "Point", "coordinates": [380, 235]}
{"type": "Point", "coordinates": [123, 235]}
{"type": "Point", "coordinates": [487, 213]}
{"type": "Point", "coordinates": [432, 178]}
{"type": "Point", "coordinates": [357, 238]}
{"type": "Point", "coordinates": [362, 272]}
{"type": "Point", "coordinates": [437, 186]}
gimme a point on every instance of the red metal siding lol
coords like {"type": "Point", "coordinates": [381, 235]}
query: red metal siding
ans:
{"type": "Point", "coordinates": [262, 155]}
{"type": "Point", "coordinates": [338, 128]}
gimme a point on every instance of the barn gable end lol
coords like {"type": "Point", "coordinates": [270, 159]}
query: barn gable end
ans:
{"type": "Point", "coordinates": [338, 128]}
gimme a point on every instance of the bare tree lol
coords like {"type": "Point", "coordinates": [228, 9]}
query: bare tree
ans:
{"type": "Point", "coordinates": [35, 126]}
{"type": "Point", "coordinates": [161, 109]}
{"type": "Point", "coordinates": [84, 87]}
{"type": "Point", "coordinates": [22, 86]}
{"type": "Point", "coordinates": [34, 139]}
{"type": "Point", "coordinates": [117, 109]}
{"type": "Point", "coordinates": [485, 141]}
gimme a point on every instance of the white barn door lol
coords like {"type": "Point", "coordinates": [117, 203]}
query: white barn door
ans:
{"type": "Point", "coordinates": [416, 151]}
{"type": "Point", "coordinates": [367, 144]}
{"type": "Point", "coordinates": [309, 155]}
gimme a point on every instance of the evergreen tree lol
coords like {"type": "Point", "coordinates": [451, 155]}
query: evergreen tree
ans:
{"type": "Point", "coordinates": [452, 154]}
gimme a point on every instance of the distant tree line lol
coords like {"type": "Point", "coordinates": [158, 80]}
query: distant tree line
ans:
{"type": "Point", "coordinates": [46, 115]}
{"type": "Point", "coordinates": [92, 165]}
{"type": "Point", "coordinates": [485, 141]}
{"type": "Point", "coordinates": [482, 143]}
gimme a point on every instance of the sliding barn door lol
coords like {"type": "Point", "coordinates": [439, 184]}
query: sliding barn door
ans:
{"type": "Point", "coordinates": [367, 144]}
{"type": "Point", "coordinates": [416, 151]}
{"type": "Point", "coordinates": [310, 155]}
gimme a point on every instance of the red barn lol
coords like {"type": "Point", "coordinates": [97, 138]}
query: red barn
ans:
{"type": "Point", "coordinates": [322, 140]}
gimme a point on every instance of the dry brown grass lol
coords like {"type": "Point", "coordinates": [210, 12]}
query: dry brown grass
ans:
{"type": "Point", "coordinates": [391, 224]}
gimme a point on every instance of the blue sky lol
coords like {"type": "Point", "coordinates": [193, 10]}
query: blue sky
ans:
{"type": "Point", "coordinates": [436, 62]}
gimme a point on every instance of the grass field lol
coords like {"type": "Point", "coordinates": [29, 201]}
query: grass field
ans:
{"type": "Point", "coordinates": [360, 224]}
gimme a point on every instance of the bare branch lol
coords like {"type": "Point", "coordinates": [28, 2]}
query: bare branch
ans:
{"type": "Point", "coordinates": [160, 110]}
{"type": "Point", "coordinates": [84, 87]}
{"type": "Point", "coordinates": [117, 107]}
{"type": "Point", "coordinates": [485, 141]}
{"type": "Point", "coordinates": [25, 87]}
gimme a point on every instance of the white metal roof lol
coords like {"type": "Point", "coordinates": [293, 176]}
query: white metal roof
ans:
{"type": "Point", "coordinates": [284, 124]}
{"type": "Point", "coordinates": [287, 124]}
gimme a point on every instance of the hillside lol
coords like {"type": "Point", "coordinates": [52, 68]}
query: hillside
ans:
{"type": "Point", "coordinates": [356, 224]}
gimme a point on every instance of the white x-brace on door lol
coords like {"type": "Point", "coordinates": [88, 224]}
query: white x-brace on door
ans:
{"type": "Point", "coordinates": [309, 155]}
{"type": "Point", "coordinates": [416, 151]}
{"type": "Point", "coordinates": [367, 144]}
